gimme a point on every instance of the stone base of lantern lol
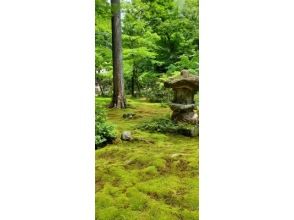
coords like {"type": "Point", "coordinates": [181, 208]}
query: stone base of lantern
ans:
{"type": "Point", "coordinates": [184, 113]}
{"type": "Point", "coordinates": [189, 117]}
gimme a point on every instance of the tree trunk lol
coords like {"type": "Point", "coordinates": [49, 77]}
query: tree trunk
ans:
{"type": "Point", "coordinates": [118, 98]}
{"type": "Point", "coordinates": [133, 81]}
{"type": "Point", "coordinates": [133, 86]}
{"type": "Point", "coordinates": [97, 82]}
{"type": "Point", "coordinates": [139, 87]}
{"type": "Point", "coordinates": [101, 89]}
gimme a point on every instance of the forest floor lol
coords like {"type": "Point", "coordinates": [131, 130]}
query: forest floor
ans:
{"type": "Point", "coordinates": [152, 178]}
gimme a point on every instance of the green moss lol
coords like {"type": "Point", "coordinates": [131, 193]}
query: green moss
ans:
{"type": "Point", "coordinates": [158, 163]}
{"type": "Point", "coordinates": [190, 215]}
{"type": "Point", "coordinates": [107, 213]}
{"type": "Point", "coordinates": [155, 177]}
{"type": "Point", "coordinates": [102, 200]}
{"type": "Point", "coordinates": [151, 170]}
{"type": "Point", "coordinates": [138, 201]}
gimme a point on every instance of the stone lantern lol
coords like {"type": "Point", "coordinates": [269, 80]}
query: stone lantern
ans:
{"type": "Point", "coordinates": [183, 104]}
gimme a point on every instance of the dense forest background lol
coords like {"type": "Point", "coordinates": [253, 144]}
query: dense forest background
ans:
{"type": "Point", "coordinates": [159, 39]}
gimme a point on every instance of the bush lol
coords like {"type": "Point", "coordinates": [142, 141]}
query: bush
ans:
{"type": "Point", "coordinates": [104, 132]}
{"type": "Point", "coordinates": [105, 83]}
{"type": "Point", "coordinates": [158, 95]}
{"type": "Point", "coordinates": [163, 125]}
{"type": "Point", "coordinates": [166, 125]}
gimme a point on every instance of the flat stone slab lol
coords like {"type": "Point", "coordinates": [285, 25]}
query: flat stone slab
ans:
{"type": "Point", "coordinates": [189, 83]}
{"type": "Point", "coordinates": [179, 107]}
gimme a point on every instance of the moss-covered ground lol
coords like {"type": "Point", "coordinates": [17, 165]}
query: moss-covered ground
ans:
{"type": "Point", "coordinates": [152, 178]}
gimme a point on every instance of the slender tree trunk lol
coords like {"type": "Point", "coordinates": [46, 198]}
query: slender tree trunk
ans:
{"type": "Point", "coordinates": [133, 85]}
{"type": "Point", "coordinates": [101, 89]}
{"type": "Point", "coordinates": [118, 98]}
{"type": "Point", "coordinates": [97, 83]}
{"type": "Point", "coordinates": [139, 87]}
{"type": "Point", "coordinates": [133, 81]}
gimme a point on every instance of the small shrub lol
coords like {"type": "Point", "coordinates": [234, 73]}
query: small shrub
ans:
{"type": "Point", "coordinates": [166, 125]}
{"type": "Point", "coordinates": [158, 94]}
{"type": "Point", "coordinates": [104, 132]}
{"type": "Point", "coordinates": [163, 125]}
{"type": "Point", "coordinates": [105, 83]}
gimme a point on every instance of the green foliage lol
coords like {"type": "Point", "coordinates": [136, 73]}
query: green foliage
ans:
{"type": "Point", "coordinates": [188, 63]}
{"type": "Point", "coordinates": [166, 125]}
{"type": "Point", "coordinates": [104, 132]}
{"type": "Point", "coordinates": [160, 37]}
{"type": "Point", "coordinates": [158, 94]}
{"type": "Point", "coordinates": [105, 83]}
{"type": "Point", "coordinates": [176, 23]}
{"type": "Point", "coordinates": [102, 38]}
{"type": "Point", "coordinates": [139, 44]}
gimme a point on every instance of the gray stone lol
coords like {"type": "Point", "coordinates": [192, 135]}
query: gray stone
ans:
{"type": "Point", "coordinates": [185, 73]}
{"type": "Point", "coordinates": [129, 115]}
{"type": "Point", "coordinates": [126, 136]}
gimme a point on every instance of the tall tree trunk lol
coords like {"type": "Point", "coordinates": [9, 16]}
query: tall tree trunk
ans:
{"type": "Point", "coordinates": [118, 98]}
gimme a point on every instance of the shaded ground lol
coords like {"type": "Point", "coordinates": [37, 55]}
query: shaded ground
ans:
{"type": "Point", "coordinates": [154, 179]}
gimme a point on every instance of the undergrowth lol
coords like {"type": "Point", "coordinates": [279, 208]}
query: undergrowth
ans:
{"type": "Point", "coordinates": [104, 132]}
{"type": "Point", "coordinates": [166, 125]}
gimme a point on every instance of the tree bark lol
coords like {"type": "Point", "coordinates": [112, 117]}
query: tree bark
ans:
{"type": "Point", "coordinates": [118, 98]}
